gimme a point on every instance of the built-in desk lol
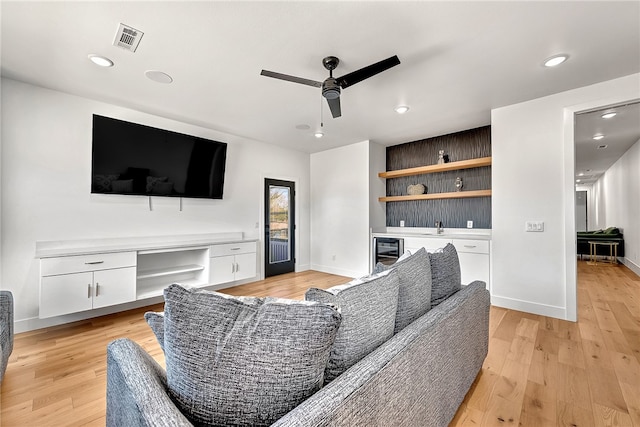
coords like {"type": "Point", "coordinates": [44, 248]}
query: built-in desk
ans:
{"type": "Point", "coordinates": [83, 275]}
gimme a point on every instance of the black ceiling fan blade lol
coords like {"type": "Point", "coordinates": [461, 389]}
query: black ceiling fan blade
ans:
{"type": "Point", "coordinates": [334, 106]}
{"type": "Point", "coordinates": [289, 78]}
{"type": "Point", "coordinates": [364, 73]}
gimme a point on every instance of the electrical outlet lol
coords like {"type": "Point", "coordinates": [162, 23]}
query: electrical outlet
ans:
{"type": "Point", "coordinates": [469, 224]}
{"type": "Point", "coordinates": [401, 223]}
{"type": "Point", "coordinates": [534, 226]}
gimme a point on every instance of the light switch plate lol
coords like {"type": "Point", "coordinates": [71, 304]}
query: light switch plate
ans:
{"type": "Point", "coordinates": [469, 224]}
{"type": "Point", "coordinates": [534, 226]}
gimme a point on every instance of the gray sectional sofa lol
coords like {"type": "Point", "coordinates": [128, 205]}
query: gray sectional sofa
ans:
{"type": "Point", "coordinates": [6, 330]}
{"type": "Point", "coordinates": [418, 376]}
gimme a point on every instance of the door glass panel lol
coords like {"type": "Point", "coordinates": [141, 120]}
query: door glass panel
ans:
{"type": "Point", "coordinates": [279, 219]}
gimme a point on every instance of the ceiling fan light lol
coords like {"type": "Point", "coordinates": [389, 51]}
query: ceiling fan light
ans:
{"type": "Point", "coordinates": [556, 60]}
{"type": "Point", "coordinates": [401, 109]}
{"type": "Point", "coordinates": [101, 61]}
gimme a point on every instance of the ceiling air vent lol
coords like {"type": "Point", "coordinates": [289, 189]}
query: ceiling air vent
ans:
{"type": "Point", "coordinates": [127, 38]}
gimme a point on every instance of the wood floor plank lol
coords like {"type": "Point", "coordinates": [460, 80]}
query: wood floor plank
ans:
{"type": "Point", "coordinates": [540, 371]}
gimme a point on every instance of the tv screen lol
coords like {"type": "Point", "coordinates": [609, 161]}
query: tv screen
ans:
{"type": "Point", "coordinates": [133, 159]}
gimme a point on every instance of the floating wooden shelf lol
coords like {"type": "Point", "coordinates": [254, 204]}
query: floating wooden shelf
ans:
{"type": "Point", "coordinates": [454, 195]}
{"type": "Point", "coordinates": [463, 164]}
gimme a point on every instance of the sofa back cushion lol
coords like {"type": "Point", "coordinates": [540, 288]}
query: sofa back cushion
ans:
{"type": "Point", "coordinates": [445, 274]}
{"type": "Point", "coordinates": [414, 294]}
{"type": "Point", "coordinates": [368, 308]}
{"type": "Point", "coordinates": [243, 361]}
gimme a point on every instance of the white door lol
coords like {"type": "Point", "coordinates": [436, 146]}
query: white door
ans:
{"type": "Point", "coordinates": [65, 293]}
{"type": "Point", "coordinates": [113, 287]}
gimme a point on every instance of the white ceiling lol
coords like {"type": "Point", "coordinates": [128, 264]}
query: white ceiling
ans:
{"type": "Point", "coordinates": [459, 60]}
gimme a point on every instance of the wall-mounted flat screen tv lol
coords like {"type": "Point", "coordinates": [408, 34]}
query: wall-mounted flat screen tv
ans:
{"type": "Point", "coordinates": [133, 159]}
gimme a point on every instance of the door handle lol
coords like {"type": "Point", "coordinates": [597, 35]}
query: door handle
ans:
{"type": "Point", "coordinates": [97, 288]}
{"type": "Point", "coordinates": [89, 290]}
{"type": "Point", "coordinates": [94, 262]}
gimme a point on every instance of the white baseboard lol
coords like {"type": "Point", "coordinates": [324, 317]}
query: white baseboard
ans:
{"type": "Point", "coordinates": [631, 265]}
{"type": "Point", "coordinates": [302, 267]}
{"type": "Point", "coordinates": [530, 307]}
{"type": "Point", "coordinates": [334, 270]}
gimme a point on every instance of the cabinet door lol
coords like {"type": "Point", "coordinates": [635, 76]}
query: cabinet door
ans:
{"type": "Point", "coordinates": [474, 267]}
{"type": "Point", "coordinates": [222, 269]}
{"type": "Point", "coordinates": [245, 266]}
{"type": "Point", "coordinates": [65, 293]}
{"type": "Point", "coordinates": [115, 286]}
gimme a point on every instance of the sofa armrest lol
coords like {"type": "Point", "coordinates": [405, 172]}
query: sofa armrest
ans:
{"type": "Point", "coordinates": [137, 392]}
{"type": "Point", "coordinates": [6, 329]}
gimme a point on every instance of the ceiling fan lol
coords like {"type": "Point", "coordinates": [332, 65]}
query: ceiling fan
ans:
{"type": "Point", "coordinates": [332, 86]}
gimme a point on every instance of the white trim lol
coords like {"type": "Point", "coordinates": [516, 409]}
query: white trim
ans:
{"type": "Point", "coordinates": [334, 270]}
{"type": "Point", "coordinates": [631, 265]}
{"type": "Point", "coordinates": [570, 194]}
{"type": "Point", "coordinates": [530, 307]}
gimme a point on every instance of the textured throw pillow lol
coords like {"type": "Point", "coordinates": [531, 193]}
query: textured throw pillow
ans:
{"type": "Point", "coordinates": [102, 183]}
{"type": "Point", "coordinates": [368, 308]}
{"type": "Point", "coordinates": [153, 180]}
{"type": "Point", "coordinates": [122, 186]}
{"type": "Point", "coordinates": [162, 188]}
{"type": "Point", "coordinates": [243, 361]}
{"type": "Point", "coordinates": [156, 323]}
{"type": "Point", "coordinates": [414, 295]}
{"type": "Point", "coordinates": [445, 274]}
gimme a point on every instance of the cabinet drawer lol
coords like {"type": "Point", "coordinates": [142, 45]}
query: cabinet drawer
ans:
{"type": "Point", "coordinates": [232, 249]}
{"type": "Point", "coordinates": [472, 246]}
{"type": "Point", "coordinates": [80, 263]}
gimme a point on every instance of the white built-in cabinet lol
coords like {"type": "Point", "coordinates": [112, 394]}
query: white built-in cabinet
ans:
{"type": "Point", "coordinates": [71, 283]}
{"type": "Point", "coordinates": [78, 283]}
{"type": "Point", "coordinates": [232, 262]}
{"type": "Point", "coordinates": [474, 254]}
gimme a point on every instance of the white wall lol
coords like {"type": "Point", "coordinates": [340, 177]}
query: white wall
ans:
{"type": "Point", "coordinates": [340, 197]}
{"type": "Point", "coordinates": [533, 179]}
{"type": "Point", "coordinates": [618, 195]}
{"type": "Point", "coordinates": [46, 165]}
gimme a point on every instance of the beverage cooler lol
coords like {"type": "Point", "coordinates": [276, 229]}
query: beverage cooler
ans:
{"type": "Point", "coordinates": [387, 250]}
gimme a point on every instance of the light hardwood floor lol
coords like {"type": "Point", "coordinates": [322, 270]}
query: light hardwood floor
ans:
{"type": "Point", "coordinates": [539, 372]}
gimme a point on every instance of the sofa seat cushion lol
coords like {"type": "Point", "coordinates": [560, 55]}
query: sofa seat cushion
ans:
{"type": "Point", "coordinates": [445, 274]}
{"type": "Point", "coordinates": [368, 308]}
{"type": "Point", "coordinates": [243, 361]}
{"type": "Point", "coordinates": [414, 294]}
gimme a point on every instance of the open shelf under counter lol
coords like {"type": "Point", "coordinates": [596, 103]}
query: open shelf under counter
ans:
{"type": "Point", "coordinates": [144, 292]}
{"type": "Point", "coordinates": [444, 167]}
{"type": "Point", "coordinates": [431, 196]}
{"type": "Point", "coordinates": [169, 271]}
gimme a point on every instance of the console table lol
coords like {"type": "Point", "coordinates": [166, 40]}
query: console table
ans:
{"type": "Point", "coordinates": [83, 275]}
{"type": "Point", "coordinates": [613, 251]}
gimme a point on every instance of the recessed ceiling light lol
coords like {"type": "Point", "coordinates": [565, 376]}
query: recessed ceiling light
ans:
{"type": "Point", "coordinates": [598, 137]}
{"type": "Point", "coordinates": [556, 60]}
{"type": "Point", "coordinates": [577, 180]}
{"type": "Point", "coordinates": [581, 174]}
{"type": "Point", "coordinates": [401, 109]}
{"type": "Point", "coordinates": [609, 115]}
{"type": "Point", "coordinates": [318, 134]}
{"type": "Point", "coordinates": [158, 76]}
{"type": "Point", "coordinates": [102, 61]}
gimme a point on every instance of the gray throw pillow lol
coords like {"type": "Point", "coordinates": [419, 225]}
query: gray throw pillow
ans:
{"type": "Point", "coordinates": [368, 308]}
{"type": "Point", "coordinates": [243, 361]}
{"type": "Point", "coordinates": [156, 323]}
{"type": "Point", "coordinates": [414, 295]}
{"type": "Point", "coordinates": [445, 274]}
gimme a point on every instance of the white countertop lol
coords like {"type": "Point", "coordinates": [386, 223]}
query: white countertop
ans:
{"type": "Point", "coordinates": [47, 249]}
{"type": "Point", "coordinates": [448, 233]}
